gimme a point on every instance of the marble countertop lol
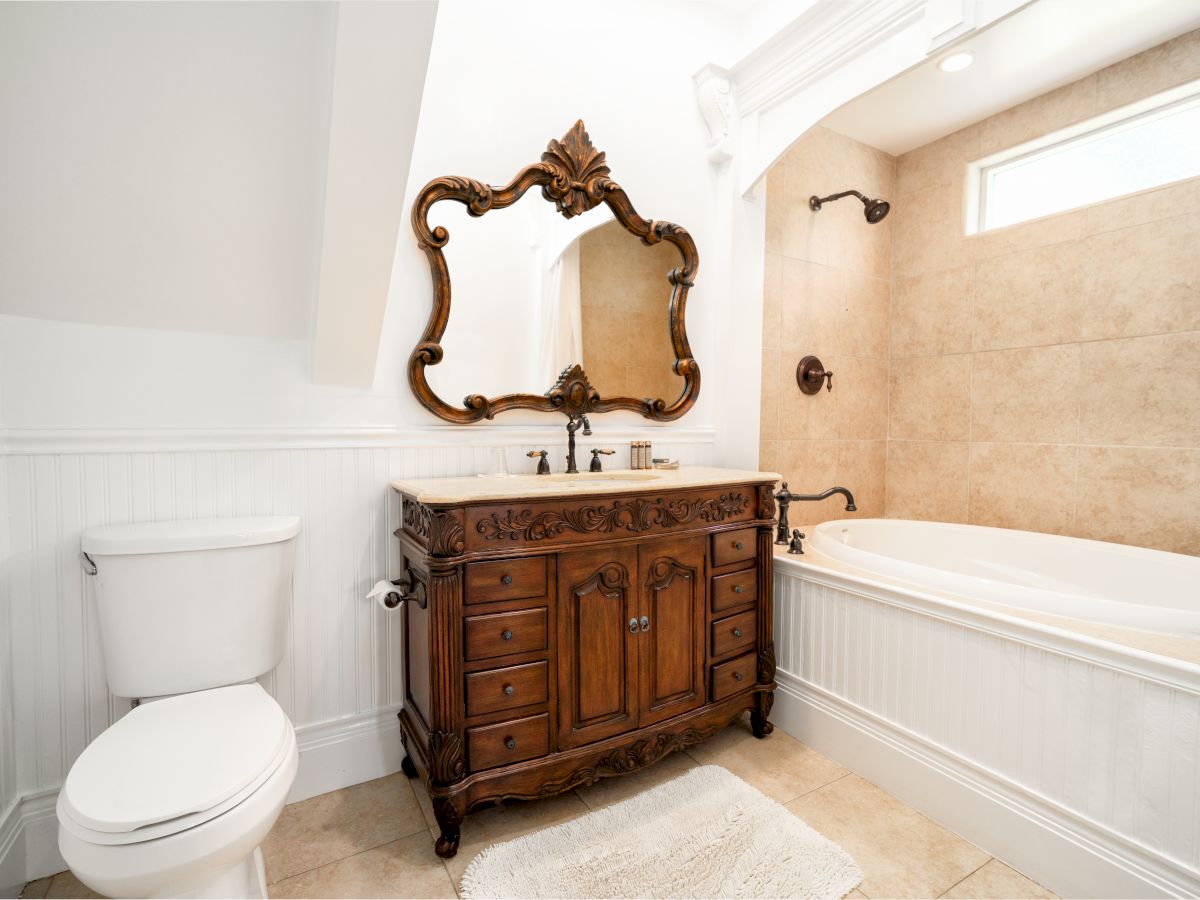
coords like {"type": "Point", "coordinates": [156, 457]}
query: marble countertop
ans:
{"type": "Point", "coordinates": [474, 488]}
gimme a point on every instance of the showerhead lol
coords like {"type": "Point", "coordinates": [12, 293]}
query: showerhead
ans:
{"type": "Point", "coordinates": [875, 210]}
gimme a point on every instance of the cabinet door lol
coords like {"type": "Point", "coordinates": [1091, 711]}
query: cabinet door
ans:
{"type": "Point", "coordinates": [597, 651]}
{"type": "Point", "coordinates": [671, 627]}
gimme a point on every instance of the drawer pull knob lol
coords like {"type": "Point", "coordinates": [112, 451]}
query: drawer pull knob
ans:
{"type": "Point", "coordinates": [507, 579]}
{"type": "Point", "coordinates": [738, 676]}
{"type": "Point", "coordinates": [633, 626]}
{"type": "Point", "coordinates": [737, 545]}
{"type": "Point", "coordinates": [737, 588]}
{"type": "Point", "coordinates": [508, 690]}
{"type": "Point", "coordinates": [510, 743]}
{"type": "Point", "coordinates": [737, 632]}
{"type": "Point", "coordinates": [506, 634]}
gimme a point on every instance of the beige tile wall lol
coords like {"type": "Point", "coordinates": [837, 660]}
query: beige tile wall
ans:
{"type": "Point", "coordinates": [624, 305]}
{"type": "Point", "coordinates": [1044, 376]}
{"type": "Point", "coordinates": [827, 293]}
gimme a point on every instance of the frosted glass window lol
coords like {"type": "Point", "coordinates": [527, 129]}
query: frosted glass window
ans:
{"type": "Point", "coordinates": [1140, 152]}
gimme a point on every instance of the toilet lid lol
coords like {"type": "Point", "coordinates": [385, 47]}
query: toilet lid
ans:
{"type": "Point", "coordinates": [177, 759]}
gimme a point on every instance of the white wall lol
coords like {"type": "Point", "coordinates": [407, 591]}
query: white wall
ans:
{"type": "Point", "coordinates": [163, 164]}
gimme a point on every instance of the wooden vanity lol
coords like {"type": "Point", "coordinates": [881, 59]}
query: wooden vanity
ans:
{"type": "Point", "coordinates": [559, 630]}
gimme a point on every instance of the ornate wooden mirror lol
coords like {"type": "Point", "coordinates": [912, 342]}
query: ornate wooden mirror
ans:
{"type": "Point", "coordinates": [610, 294]}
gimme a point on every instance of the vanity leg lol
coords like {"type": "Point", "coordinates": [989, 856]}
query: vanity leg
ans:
{"type": "Point", "coordinates": [758, 716]}
{"type": "Point", "coordinates": [407, 767]}
{"type": "Point", "coordinates": [449, 819]}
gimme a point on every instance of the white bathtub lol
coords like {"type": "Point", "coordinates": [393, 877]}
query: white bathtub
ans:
{"type": "Point", "coordinates": [1132, 587]}
{"type": "Point", "coordinates": [1039, 695]}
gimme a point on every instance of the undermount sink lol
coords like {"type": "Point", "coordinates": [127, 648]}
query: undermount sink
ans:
{"type": "Point", "coordinates": [584, 478]}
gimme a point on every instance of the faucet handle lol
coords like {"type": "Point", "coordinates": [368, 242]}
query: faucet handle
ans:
{"type": "Point", "coordinates": [543, 464]}
{"type": "Point", "coordinates": [596, 467]}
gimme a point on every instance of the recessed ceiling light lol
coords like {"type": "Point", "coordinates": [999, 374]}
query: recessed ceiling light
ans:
{"type": "Point", "coordinates": [956, 62]}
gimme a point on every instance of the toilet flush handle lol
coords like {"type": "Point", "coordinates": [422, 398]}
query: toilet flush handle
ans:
{"type": "Point", "coordinates": [89, 564]}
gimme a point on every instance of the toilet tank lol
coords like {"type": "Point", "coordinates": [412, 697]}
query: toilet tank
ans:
{"type": "Point", "coordinates": [184, 606]}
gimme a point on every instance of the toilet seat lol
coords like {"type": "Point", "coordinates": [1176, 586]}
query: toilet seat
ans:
{"type": "Point", "coordinates": [174, 764]}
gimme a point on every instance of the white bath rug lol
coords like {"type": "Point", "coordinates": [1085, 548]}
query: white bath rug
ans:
{"type": "Point", "coordinates": [703, 834]}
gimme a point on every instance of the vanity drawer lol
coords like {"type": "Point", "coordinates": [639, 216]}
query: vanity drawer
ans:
{"type": "Point", "coordinates": [500, 634]}
{"type": "Point", "coordinates": [733, 676]}
{"type": "Point", "coordinates": [508, 742]}
{"type": "Point", "coordinates": [506, 688]}
{"type": "Point", "coordinates": [734, 633]}
{"type": "Point", "coordinates": [734, 546]}
{"type": "Point", "coordinates": [505, 579]}
{"type": "Point", "coordinates": [738, 589]}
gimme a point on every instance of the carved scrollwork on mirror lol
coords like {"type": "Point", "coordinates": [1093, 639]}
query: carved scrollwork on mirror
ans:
{"type": "Point", "coordinates": [574, 176]}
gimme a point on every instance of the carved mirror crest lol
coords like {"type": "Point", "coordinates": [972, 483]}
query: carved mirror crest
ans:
{"type": "Point", "coordinates": [574, 176]}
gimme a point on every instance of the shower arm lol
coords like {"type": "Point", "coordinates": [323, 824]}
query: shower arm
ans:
{"type": "Point", "coordinates": [815, 202]}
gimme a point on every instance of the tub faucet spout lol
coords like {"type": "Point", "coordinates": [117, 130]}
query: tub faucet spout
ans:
{"type": "Point", "coordinates": [786, 497]}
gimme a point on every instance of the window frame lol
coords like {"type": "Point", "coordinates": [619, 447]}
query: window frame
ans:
{"type": "Point", "coordinates": [979, 172]}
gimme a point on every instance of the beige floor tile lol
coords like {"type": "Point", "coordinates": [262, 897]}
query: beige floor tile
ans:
{"type": "Point", "coordinates": [507, 821]}
{"type": "Point", "coordinates": [423, 801]}
{"type": "Point", "coordinates": [607, 791]}
{"type": "Point", "coordinates": [335, 825]}
{"type": "Point", "coordinates": [403, 868]}
{"type": "Point", "coordinates": [996, 881]}
{"type": "Point", "coordinates": [65, 884]}
{"type": "Point", "coordinates": [779, 765]}
{"type": "Point", "coordinates": [901, 853]}
{"type": "Point", "coordinates": [36, 889]}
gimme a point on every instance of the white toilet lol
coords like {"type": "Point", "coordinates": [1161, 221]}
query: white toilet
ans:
{"type": "Point", "coordinates": [175, 798]}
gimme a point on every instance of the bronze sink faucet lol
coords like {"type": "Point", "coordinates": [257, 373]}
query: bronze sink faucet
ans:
{"type": "Point", "coordinates": [573, 424]}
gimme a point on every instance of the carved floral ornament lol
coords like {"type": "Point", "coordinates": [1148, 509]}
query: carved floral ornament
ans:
{"type": "Point", "coordinates": [574, 176]}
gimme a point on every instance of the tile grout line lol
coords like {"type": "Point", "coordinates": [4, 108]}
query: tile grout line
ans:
{"type": "Point", "coordinates": [965, 877]}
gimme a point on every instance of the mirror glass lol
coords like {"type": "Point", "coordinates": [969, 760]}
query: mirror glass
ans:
{"type": "Point", "coordinates": [532, 293]}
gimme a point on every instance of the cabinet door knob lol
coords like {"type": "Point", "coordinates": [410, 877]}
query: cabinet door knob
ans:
{"type": "Point", "coordinates": [508, 690]}
{"type": "Point", "coordinates": [510, 743]}
{"type": "Point", "coordinates": [507, 579]}
{"type": "Point", "coordinates": [633, 626]}
{"type": "Point", "coordinates": [506, 634]}
{"type": "Point", "coordinates": [738, 676]}
{"type": "Point", "coordinates": [645, 623]}
{"type": "Point", "coordinates": [737, 588]}
{"type": "Point", "coordinates": [737, 545]}
{"type": "Point", "coordinates": [737, 632]}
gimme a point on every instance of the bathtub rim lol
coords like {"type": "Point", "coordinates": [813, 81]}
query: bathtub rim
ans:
{"type": "Point", "coordinates": [815, 566]}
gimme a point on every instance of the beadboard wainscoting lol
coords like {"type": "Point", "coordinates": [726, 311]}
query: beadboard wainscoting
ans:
{"type": "Point", "coordinates": [340, 679]}
{"type": "Point", "coordinates": [1078, 766]}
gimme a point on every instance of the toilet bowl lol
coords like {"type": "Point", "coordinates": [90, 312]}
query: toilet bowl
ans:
{"type": "Point", "coordinates": [174, 799]}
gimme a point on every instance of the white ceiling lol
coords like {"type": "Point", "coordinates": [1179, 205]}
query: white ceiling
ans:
{"type": "Point", "coordinates": [1040, 47]}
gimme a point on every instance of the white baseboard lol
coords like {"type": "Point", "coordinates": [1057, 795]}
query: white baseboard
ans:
{"type": "Point", "coordinates": [1055, 846]}
{"type": "Point", "coordinates": [333, 755]}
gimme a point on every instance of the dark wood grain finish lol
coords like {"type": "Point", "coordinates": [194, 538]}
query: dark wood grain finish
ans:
{"type": "Point", "coordinates": [734, 633]}
{"type": "Point", "coordinates": [734, 546]}
{"type": "Point", "coordinates": [730, 677]}
{"type": "Point", "coordinates": [671, 627]}
{"type": "Point", "coordinates": [500, 634]}
{"type": "Point", "coordinates": [507, 688]}
{"type": "Point", "coordinates": [506, 579]}
{"type": "Point", "coordinates": [508, 742]}
{"type": "Point", "coordinates": [734, 590]}
{"type": "Point", "coordinates": [574, 176]}
{"type": "Point", "coordinates": [596, 690]}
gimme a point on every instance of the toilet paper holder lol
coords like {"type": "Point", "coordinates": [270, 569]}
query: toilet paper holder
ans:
{"type": "Point", "coordinates": [408, 588]}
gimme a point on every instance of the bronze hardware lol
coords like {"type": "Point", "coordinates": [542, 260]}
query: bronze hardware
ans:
{"type": "Point", "coordinates": [786, 497]}
{"type": "Point", "coordinates": [737, 588]}
{"type": "Point", "coordinates": [573, 423]}
{"type": "Point", "coordinates": [875, 211]}
{"type": "Point", "coordinates": [795, 546]}
{"type": "Point", "coordinates": [407, 588]}
{"type": "Point", "coordinates": [737, 545]}
{"type": "Point", "coordinates": [543, 465]}
{"type": "Point", "coordinates": [508, 690]}
{"type": "Point", "coordinates": [633, 626]}
{"type": "Point", "coordinates": [510, 743]}
{"type": "Point", "coordinates": [738, 676]}
{"type": "Point", "coordinates": [810, 373]}
{"type": "Point", "coordinates": [737, 632]}
{"type": "Point", "coordinates": [645, 623]}
{"type": "Point", "coordinates": [506, 635]}
{"type": "Point", "coordinates": [507, 579]}
{"type": "Point", "coordinates": [595, 466]}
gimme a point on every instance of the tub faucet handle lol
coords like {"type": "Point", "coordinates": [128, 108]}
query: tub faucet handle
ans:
{"type": "Point", "coordinates": [796, 546]}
